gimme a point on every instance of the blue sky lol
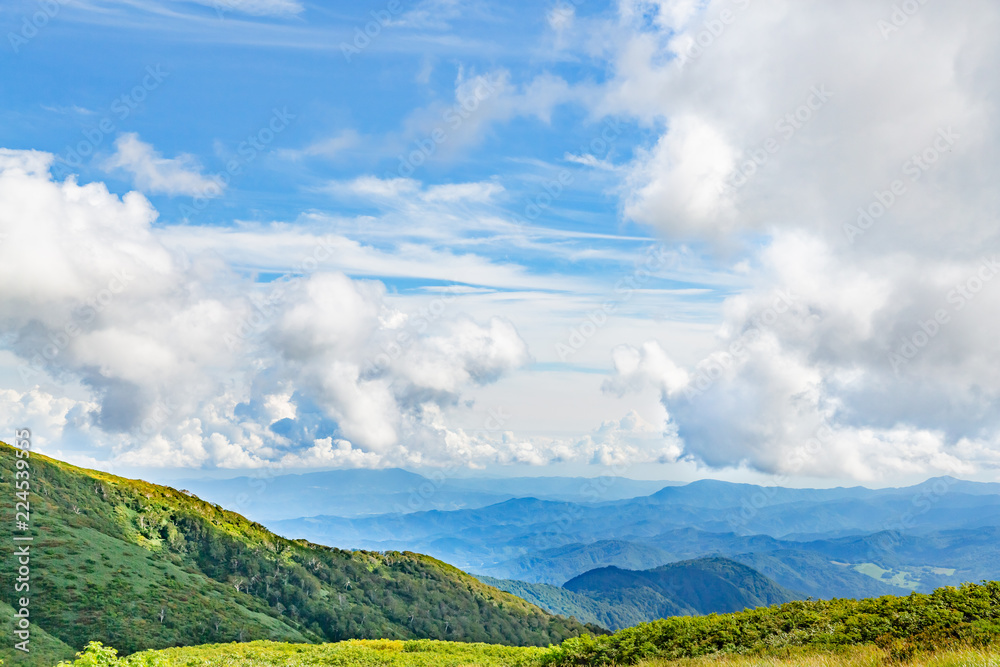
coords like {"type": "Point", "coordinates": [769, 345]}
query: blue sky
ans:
{"type": "Point", "coordinates": [620, 224]}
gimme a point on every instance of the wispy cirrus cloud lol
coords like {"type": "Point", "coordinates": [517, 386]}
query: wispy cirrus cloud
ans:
{"type": "Point", "coordinates": [155, 174]}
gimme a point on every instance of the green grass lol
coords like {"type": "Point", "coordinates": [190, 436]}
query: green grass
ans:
{"type": "Point", "coordinates": [901, 578]}
{"type": "Point", "coordinates": [45, 649]}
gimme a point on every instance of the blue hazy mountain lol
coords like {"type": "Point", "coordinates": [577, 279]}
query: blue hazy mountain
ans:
{"type": "Point", "coordinates": [356, 493]}
{"type": "Point", "coordinates": [700, 586]}
{"type": "Point", "coordinates": [616, 598]}
{"type": "Point", "coordinates": [849, 542]}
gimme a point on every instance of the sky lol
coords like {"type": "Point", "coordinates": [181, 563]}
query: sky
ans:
{"type": "Point", "coordinates": [663, 239]}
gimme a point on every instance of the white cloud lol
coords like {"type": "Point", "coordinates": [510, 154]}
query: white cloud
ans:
{"type": "Point", "coordinates": [330, 148]}
{"type": "Point", "coordinates": [182, 363]}
{"type": "Point", "coordinates": [453, 192]}
{"type": "Point", "coordinates": [156, 174]}
{"type": "Point", "coordinates": [774, 127]}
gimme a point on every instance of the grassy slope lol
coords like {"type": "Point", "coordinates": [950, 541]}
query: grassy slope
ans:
{"type": "Point", "coordinates": [111, 556]}
{"type": "Point", "coordinates": [44, 648]}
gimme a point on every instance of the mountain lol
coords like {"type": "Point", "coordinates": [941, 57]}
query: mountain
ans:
{"type": "Point", "coordinates": [816, 576]}
{"type": "Point", "coordinates": [560, 564]}
{"type": "Point", "coordinates": [481, 539]}
{"type": "Point", "coordinates": [800, 573]}
{"type": "Point", "coordinates": [359, 492]}
{"type": "Point", "coordinates": [558, 600]}
{"type": "Point", "coordinates": [700, 586]}
{"type": "Point", "coordinates": [136, 566]}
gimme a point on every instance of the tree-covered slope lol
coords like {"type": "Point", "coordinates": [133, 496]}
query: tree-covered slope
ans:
{"type": "Point", "coordinates": [136, 566]}
{"type": "Point", "coordinates": [558, 600]}
{"type": "Point", "coordinates": [700, 586]}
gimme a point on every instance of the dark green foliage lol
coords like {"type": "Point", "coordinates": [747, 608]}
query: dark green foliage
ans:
{"type": "Point", "coordinates": [696, 586]}
{"type": "Point", "coordinates": [567, 603]}
{"type": "Point", "coordinates": [967, 615]}
{"type": "Point", "coordinates": [136, 565]}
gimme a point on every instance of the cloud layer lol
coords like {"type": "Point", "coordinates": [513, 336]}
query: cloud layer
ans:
{"type": "Point", "coordinates": [129, 350]}
{"type": "Point", "coordinates": [848, 153]}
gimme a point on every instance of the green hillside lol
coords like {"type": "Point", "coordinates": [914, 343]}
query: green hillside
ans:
{"type": "Point", "coordinates": [45, 649]}
{"type": "Point", "coordinates": [699, 586]}
{"type": "Point", "coordinates": [557, 600]}
{"type": "Point", "coordinates": [137, 566]}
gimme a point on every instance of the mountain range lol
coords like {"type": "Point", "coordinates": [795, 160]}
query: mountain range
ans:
{"type": "Point", "coordinates": [820, 543]}
{"type": "Point", "coordinates": [357, 493]}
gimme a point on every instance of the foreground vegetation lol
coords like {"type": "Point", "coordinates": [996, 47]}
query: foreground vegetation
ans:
{"type": "Point", "coordinates": [903, 626]}
{"type": "Point", "coordinates": [425, 653]}
{"type": "Point", "coordinates": [951, 626]}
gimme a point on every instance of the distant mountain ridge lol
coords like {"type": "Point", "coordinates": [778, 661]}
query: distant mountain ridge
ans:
{"type": "Point", "coordinates": [361, 492]}
{"type": "Point", "coordinates": [843, 542]}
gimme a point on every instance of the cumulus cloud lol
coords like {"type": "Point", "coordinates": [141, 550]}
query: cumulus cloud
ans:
{"type": "Point", "coordinates": [851, 155]}
{"type": "Point", "coordinates": [155, 174]}
{"type": "Point", "coordinates": [155, 356]}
